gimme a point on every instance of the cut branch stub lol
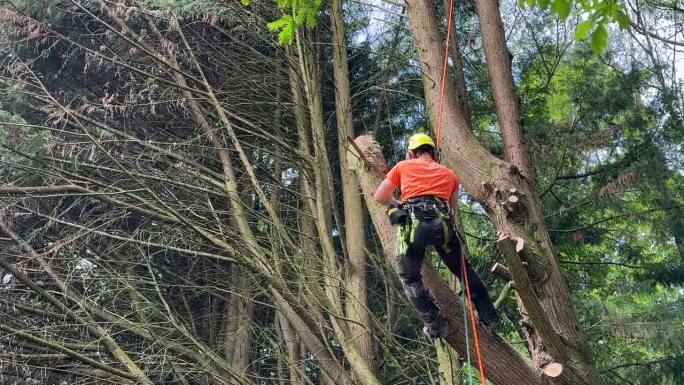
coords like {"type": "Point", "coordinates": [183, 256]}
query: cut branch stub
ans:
{"type": "Point", "coordinates": [502, 271]}
{"type": "Point", "coordinates": [371, 153]}
{"type": "Point", "coordinates": [519, 244]}
{"type": "Point", "coordinates": [486, 186]}
{"type": "Point", "coordinates": [553, 369]}
{"type": "Point", "coordinates": [516, 207]}
{"type": "Point", "coordinates": [380, 167]}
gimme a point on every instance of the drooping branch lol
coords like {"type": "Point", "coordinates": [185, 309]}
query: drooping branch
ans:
{"type": "Point", "coordinates": [69, 352]}
{"type": "Point", "coordinates": [112, 345]}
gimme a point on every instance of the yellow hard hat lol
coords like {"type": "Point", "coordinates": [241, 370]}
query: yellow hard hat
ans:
{"type": "Point", "coordinates": [417, 140]}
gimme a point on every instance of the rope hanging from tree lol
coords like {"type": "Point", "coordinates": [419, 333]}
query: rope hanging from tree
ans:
{"type": "Point", "coordinates": [440, 120]}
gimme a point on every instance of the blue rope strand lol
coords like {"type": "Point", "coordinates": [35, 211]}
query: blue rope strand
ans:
{"type": "Point", "coordinates": [467, 338]}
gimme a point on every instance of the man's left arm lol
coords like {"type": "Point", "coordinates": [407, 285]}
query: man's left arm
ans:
{"type": "Point", "coordinates": [453, 200]}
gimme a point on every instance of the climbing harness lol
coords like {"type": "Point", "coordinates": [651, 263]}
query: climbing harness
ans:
{"type": "Point", "coordinates": [407, 231]}
{"type": "Point", "coordinates": [428, 209]}
{"type": "Point", "coordinates": [464, 273]}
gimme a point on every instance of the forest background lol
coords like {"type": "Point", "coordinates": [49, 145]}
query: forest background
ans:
{"type": "Point", "coordinates": [184, 201]}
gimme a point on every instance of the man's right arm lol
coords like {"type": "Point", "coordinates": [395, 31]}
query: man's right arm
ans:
{"type": "Point", "coordinates": [391, 182]}
{"type": "Point", "coordinates": [384, 193]}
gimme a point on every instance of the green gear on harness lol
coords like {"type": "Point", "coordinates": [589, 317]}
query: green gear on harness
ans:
{"type": "Point", "coordinates": [414, 225]}
{"type": "Point", "coordinates": [446, 221]}
{"type": "Point", "coordinates": [400, 246]}
{"type": "Point", "coordinates": [406, 232]}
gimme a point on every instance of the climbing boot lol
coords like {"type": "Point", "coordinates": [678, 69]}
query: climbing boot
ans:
{"type": "Point", "coordinates": [438, 328]}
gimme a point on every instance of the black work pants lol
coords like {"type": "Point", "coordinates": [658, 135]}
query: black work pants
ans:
{"type": "Point", "coordinates": [431, 233]}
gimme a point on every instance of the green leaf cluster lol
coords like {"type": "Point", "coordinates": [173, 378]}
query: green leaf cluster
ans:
{"type": "Point", "coordinates": [599, 13]}
{"type": "Point", "coordinates": [295, 14]}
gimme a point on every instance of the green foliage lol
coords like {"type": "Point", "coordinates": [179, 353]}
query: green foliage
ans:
{"type": "Point", "coordinates": [599, 13]}
{"type": "Point", "coordinates": [599, 38]}
{"type": "Point", "coordinates": [583, 29]}
{"type": "Point", "coordinates": [295, 14]}
{"type": "Point", "coordinates": [190, 8]}
{"type": "Point", "coordinates": [619, 243]}
{"type": "Point", "coordinates": [560, 7]}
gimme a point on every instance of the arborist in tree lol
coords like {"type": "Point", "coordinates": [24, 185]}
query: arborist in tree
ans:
{"type": "Point", "coordinates": [429, 197]}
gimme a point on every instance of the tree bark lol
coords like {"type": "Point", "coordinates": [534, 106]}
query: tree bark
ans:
{"type": "Point", "coordinates": [449, 365]}
{"type": "Point", "coordinates": [326, 361]}
{"type": "Point", "coordinates": [293, 344]}
{"type": "Point", "coordinates": [354, 218]}
{"type": "Point", "coordinates": [242, 343]}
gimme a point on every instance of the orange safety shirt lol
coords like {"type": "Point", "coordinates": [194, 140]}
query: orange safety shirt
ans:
{"type": "Point", "coordinates": [417, 177]}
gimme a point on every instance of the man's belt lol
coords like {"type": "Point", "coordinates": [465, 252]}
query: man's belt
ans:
{"type": "Point", "coordinates": [427, 202]}
{"type": "Point", "coordinates": [426, 208]}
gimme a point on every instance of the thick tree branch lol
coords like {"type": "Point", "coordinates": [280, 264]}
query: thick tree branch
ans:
{"type": "Point", "coordinates": [503, 88]}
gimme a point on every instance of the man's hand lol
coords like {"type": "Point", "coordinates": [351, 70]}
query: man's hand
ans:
{"type": "Point", "coordinates": [397, 215]}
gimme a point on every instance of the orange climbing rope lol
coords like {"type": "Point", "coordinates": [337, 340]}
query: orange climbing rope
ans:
{"type": "Point", "coordinates": [440, 115]}
{"type": "Point", "coordinates": [445, 65]}
{"type": "Point", "coordinates": [480, 363]}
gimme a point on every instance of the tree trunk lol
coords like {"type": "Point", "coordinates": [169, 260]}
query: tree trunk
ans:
{"type": "Point", "coordinates": [512, 202]}
{"type": "Point", "coordinates": [322, 203]}
{"type": "Point", "coordinates": [506, 99]}
{"type": "Point", "coordinates": [328, 363]}
{"type": "Point", "coordinates": [293, 344]}
{"type": "Point", "coordinates": [242, 343]}
{"type": "Point", "coordinates": [354, 218]}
